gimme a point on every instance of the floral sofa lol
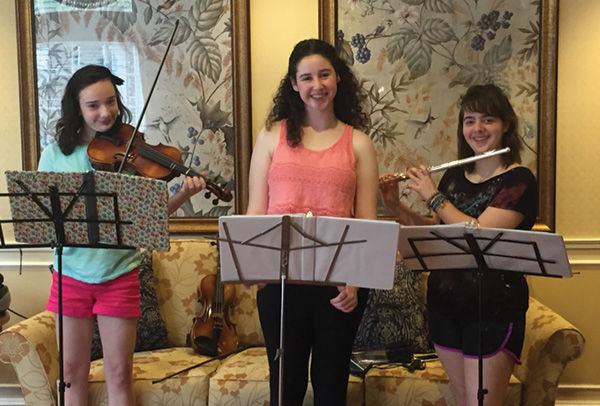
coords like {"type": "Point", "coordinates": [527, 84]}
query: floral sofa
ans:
{"type": "Point", "coordinates": [242, 378]}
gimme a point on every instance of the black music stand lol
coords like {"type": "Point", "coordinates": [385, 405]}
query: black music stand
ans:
{"type": "Point", "coordinates": [305, 249]}
{"type": "Point", "coordinates": [480, 250]}
{"type": "Point", "coordinates": [91, 210]}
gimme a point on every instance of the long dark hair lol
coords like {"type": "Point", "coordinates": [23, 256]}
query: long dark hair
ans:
{"type": "Point", "coordinates": [70, 123]}
{"type": "Point", "coordinates": [288, 105]}
{"type": "Point", "coordinates": [490, 100]}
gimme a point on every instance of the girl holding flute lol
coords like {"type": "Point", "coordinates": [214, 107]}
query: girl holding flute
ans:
{"type": "Point", "coordinates": [493, 192]}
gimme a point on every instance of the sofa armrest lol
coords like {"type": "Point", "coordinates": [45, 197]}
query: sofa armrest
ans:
{"type": "Point", "coordinates": [550, 343]}
{"type": "Point", "coordinates": [30, 347]}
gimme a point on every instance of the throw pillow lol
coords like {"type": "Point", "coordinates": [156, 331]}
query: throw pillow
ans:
{"type": "Point", "coordinates": [151, 330]}
{"type": "Point", "coordinates": [395, 318]}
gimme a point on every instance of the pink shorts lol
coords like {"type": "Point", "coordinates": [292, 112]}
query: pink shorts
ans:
{"type": "Point", "coordinates": [119, 297]}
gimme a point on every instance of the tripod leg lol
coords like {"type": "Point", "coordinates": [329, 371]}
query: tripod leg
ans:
{"type": "Point", "coordinates": [481, 391]}
{"type": "Point", "coordinates": [280, 352]}
{"type": "Point", "coordinates": [62, 385]}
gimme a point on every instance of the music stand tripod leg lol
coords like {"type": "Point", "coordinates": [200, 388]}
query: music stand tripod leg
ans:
{"type": "Point", "coordinates": [62, 385]}
{"type": "Point", "coordinates": [280, 351]}
{"type": "Point", "coordinates": [283, 272]}
{"type": "Point", "coordinates": [57, 215]}
{"type": "Point", "coordinates": [481, 267]}
{"type": "Point", "coordinates": [481, 391]}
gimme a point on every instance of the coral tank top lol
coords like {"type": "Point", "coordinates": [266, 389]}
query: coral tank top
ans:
{"type": "Point", "coordinates": [302, 180]}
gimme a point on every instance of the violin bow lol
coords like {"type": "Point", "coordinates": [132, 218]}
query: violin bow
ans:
{"type": "Point", "coordinates": [137, 127]}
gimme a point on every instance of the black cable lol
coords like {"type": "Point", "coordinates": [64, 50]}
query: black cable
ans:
{"type": "Point", "coordinates": [17, 314]}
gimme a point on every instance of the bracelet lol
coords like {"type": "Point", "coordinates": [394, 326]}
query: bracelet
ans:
{"type": "Point", "coordinates": [433, 196]}
{"type": "Point", "coordinates": [441, 205]}
{"type": "Point", "coordinates": [437, 202]}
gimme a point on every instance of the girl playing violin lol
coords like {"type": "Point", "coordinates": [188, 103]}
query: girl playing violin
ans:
{"type": "Point", "coordinates": [100, 283]}
{"type": "Point", "coordinates": [311, 157]}
{"type": "Point", "coordinates": [492, 192]}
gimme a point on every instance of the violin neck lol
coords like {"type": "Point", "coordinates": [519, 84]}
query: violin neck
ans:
{"type": "Point", "coordinates": [219, 289]}
{"type": "Point", "coordinates": [180, 169]}
{"type": "Point", "coordinates": [167, 162]}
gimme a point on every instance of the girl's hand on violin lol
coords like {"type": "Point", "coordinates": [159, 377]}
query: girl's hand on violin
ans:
{"type": "Point", "coordinates": [192, 185]}
{"type": "Point", "coordinates": [421, 181]}
{"type": "Point", "coordinates": [347, 300]}
{"type": "Point", "coordinates": [189, 187]}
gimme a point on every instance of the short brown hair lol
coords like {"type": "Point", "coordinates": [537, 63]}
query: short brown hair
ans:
{"type": "Point", "coordinates": [489, 99]}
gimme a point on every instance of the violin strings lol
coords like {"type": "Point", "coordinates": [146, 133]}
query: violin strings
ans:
{"type": "Point", "coordinates": [157, 157]}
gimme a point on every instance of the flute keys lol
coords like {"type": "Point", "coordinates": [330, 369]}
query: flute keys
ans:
{"type": "Point", "coordinates": [392, 177]}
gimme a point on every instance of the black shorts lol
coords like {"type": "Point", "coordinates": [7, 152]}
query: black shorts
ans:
{"type": "Point", "coordinates": [455, 334]}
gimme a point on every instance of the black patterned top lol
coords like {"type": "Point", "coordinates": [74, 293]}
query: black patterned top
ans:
{"type": "Point", "coordinates": [505, 293]}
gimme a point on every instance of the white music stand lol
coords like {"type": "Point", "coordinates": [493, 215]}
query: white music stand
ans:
{"type": "Point", "coordinates": [480, 250]}
{"type": "Point", "coordinates": [303, 249]}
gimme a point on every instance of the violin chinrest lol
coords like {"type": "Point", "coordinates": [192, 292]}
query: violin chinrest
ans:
{"type": "Point", "coordinates": [112, 139]}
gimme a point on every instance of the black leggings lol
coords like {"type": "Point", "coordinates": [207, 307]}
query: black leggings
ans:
{"type": "Point", "coordinates": [311, 323]}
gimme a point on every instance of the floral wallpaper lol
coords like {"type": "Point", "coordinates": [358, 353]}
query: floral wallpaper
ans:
{"type": "Point", "coordinates": [415, 58]}
{"type": "Point", "coordinates": [192, 104]}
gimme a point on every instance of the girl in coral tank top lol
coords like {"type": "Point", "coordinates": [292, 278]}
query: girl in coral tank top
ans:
{"type": "Point", "coordinates": [311, 157]}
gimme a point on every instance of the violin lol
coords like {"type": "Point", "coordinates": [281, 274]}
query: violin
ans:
{"type": "Point", "coordinates": [107, 152]}
{"type": "Point", "coordinates": [213, 333]}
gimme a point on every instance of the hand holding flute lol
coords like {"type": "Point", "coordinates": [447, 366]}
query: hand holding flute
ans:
{"type": "Point", "coordinates": [421, 181]}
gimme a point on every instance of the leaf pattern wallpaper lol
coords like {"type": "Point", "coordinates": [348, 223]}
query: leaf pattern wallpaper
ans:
{"type": "Point", "coordinates": [191, 107]}
{"type": "Point", "coordinates": [415, 58]}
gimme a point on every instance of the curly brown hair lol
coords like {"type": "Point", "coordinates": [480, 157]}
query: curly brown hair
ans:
{"type": "Point", "coordinates": [288, 105]}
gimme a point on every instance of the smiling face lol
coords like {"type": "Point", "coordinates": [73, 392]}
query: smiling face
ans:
{"type": "Point", "coordinates": [98, 107]}
{"type": "Point", "coordinates": [483, 132]}
{"type": "Point", "coordinates": [316, 82]}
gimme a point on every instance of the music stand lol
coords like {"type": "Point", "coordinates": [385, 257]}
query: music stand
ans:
{"type": "Point", "coordinates": [88, 210]}
{"type": "Point", "coordinates": [468, 248]}
{"type": "Point", "coordinates": [303, 249]}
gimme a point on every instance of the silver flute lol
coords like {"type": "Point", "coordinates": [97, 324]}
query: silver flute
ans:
{"type": "Point", "coordinates": [400, 176]}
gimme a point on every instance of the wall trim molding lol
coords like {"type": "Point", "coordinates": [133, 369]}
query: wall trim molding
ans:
{"type": "Point", "coordinates": [11, 395]}
{"type": "Point", "coordinates": [578, 395]}
{"type": "Point", "coordinates": [583, 253]}
{"type": "Point", "coordinates": [14, 258]}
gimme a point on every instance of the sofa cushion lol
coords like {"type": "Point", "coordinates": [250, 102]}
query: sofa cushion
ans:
{"type": "Point", "coordinates": [243, 379]}
{"type": "Point", "coordinates": [245, 317]}
{"type": "Point", "coordinates": [396, 317]}
{"type": "Point", "coordinates": [395, 385]}
{"type": "Point", "coordinates": [187, 388]}
{"type": "Point", "coordinates": [151, 330]}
